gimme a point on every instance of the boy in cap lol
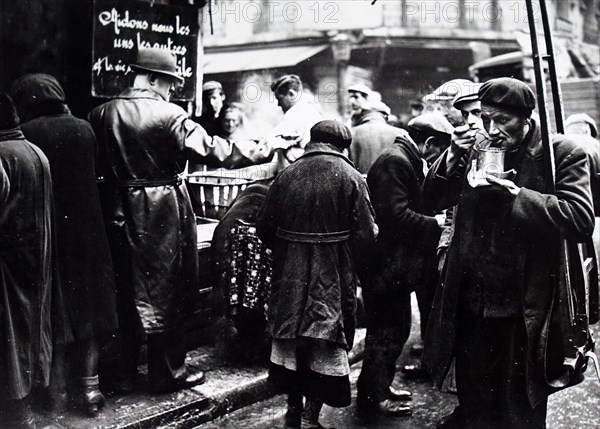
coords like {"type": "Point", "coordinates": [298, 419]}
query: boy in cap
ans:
{"type": "Point", "coordinates": [144, 143]}
{"type": "Point", "coordinates": [212, 103]}
{"type": "Point", "coordinates": [317, 217]}
{"type": "Point", "coordinates": [501, 265]}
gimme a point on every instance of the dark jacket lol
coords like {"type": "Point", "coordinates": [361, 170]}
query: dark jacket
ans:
{"type": "Point", "coordinates": [25, 265]}
{"type": "Point", "coordinates": [370, 138]}
{"type": "Point", "coordinates": [144, 142]}
{"type": "Point", "coordinates": [521, 235]}
{"type": "Point", "coordinates": [316, 216]}
{"type": "Point", "coordinates": [408, 235]}
{"type": "Point", "coordinates": [86, 272]}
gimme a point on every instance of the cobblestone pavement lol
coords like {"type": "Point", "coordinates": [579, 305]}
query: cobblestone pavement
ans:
{"type": "Point", "coordinates": [574, 408]}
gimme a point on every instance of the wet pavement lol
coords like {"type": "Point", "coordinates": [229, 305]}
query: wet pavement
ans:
{"type": "Point", "coordinates": [577, 407]}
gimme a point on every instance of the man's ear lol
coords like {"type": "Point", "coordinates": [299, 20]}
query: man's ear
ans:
{"type": "Point", "coordinates": [152, 78]}
{"type": "Point", "coordinates": [431, 141]}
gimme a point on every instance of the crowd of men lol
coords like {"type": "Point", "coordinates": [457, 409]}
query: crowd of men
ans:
{"type": "Point", "coordinates": [113, 253]}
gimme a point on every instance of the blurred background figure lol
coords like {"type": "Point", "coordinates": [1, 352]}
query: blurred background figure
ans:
{"type": "Point", "coordinates": [300, 114]}
{"type": "Point", "coordinates": [213, 98]}
{"type": "Point", "coordinates": [581, 123]}
{"type": "Point", "coordinates": [371, 135]}
{"type": "Point", "coordinates": [86, 271]}
{"type": "Point", "coordinates": [232, 121]}
{"type": "Point", "coordinates": [360, 96]}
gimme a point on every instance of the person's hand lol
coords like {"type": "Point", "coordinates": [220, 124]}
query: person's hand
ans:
{"type": "Point", "coordinates": [441, 219]}
{"type": "Point", "coordinates": [462, 138]}
{"type": "Point", "coordinates": [280, 142]}
{"type": "Point", "coordinates": [504, 183]}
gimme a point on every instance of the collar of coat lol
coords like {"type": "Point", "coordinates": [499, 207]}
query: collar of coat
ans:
{"type": "Point", "coordinates": [315, 148]}
{"type": "Point", "coordinates": [141, 93]}
{"type": "Point", "coordinates": [11, 134]}
{"type": "Point", "coordinates": [371, 117]}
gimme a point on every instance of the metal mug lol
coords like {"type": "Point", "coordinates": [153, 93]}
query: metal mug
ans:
{"type": "Point", "coordinates": [490, 160]}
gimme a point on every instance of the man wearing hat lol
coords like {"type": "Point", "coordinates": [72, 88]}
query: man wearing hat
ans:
{"type": "Point", "coordinates": [401, 261]}
{"type": "Point", "coordinates": [27, 308]}
{"type": "Point", "coordinates": [371, 135]}
{"type": "Point", "coordinates": [492, 313]}
{"type": "Point", "coordinates": [317, 219]}
{"type": "Point", "coordinates": [144, 142]}
{"type": "Point", "coordinates": [212, 103]}
{"type": "Point", "coordinates": [360, 96]}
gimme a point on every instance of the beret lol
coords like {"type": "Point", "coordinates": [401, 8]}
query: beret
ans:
{"type": "Point", "coordinates": [585, 118]}
{"type": "Point", "coordinates": [508, 93]}
{"type": "Point", "coordinates": [8, 113]}
{"type": "Point", "coordinates": [361, 88]}
{"type": "Point", "coordinates": [330, 131]}
{"type": "Point", "coordinates": [211, 86]}
{"type": "Point", "coordinates": [466, 93]}
{"type": "Point", "coordinates": [431, 123]}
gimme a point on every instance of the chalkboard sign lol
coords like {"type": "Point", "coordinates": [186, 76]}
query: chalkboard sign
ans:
{"type": "Point", "coordinates": [122, 27]}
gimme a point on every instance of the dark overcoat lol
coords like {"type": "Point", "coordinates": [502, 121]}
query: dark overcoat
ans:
{"type": "Point", "coordinates": [531, 224]}
{"type": "Point", "coordinates": [25, 265]}
{"type": "Point", "coordinates": [83, 255]}
{"type": "Point", "coordinates": [144, 143]}
{"type": "Point", "coordinates": [316, 217]}
{"type": "Point", "coordinates": [405, 248]}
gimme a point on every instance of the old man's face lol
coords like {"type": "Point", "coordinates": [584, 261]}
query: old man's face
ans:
{"type": "Point", "coordinates": [505, 128]}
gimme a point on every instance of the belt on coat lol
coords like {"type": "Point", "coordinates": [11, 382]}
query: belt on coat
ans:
{"type": "Point", "coordinates": [313, 237]}
{"type": "Point", "coordinates": [149, 183]}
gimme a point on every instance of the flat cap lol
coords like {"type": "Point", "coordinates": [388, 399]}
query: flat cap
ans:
{"type": "Point", "coordinates": [583, 118]}
{"type": "Point", "coordinates": [508, 93]}
{"type": "Point", "coordinates": [381, 107]}
{"type": "Point", "coordinates": [431, 123]}
{"type": "Point", "coordinates": [448, 90]}
{"type": "Point", "coordinates": [360, 88]}
{"type": "Point", "coordinates": [8, 113]}
{"type": "Point", "coordinates": [211, 86]}
{"type": "Point", "coordinates": [333, 132]}
{"type": "Point", "coordinates": [466, 94]}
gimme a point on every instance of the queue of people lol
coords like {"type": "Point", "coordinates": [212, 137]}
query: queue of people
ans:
{"type": "Point", "coordinates": [113, 254]}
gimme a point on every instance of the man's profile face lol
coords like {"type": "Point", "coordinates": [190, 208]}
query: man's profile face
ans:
{"type": "Point", "coordinates": [216, 102]}
{"type": "Point", "coordinates": [358, 100]}
{"type": "Point", "coordinates": [286, 99]}
{"type": "Point", "coordinates": [471, 114]}
{"type": "Point", "coordinates": [504, 127]}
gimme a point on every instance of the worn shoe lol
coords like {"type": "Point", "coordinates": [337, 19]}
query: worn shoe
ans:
{"type": "Point", "coordinates": [193, 377]}
{"type": "Point", "coordinates": [400, 394]}
{"type": "Point", "coordinates": [454, 420]}
{"type": "Point", "coordinates": [414, 371]}
{"type": "Point", "coordinates": [394, 409]}
{"type": "Point", "coordinates": [90, 397]}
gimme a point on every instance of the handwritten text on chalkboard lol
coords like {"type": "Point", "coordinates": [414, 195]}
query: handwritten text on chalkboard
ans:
{"type": "Point", "coordinates": [122, 28]}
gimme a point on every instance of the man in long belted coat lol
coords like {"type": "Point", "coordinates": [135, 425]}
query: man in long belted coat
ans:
{"type": "Point", "coordinates": [144, 144]}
